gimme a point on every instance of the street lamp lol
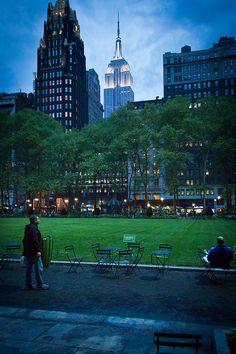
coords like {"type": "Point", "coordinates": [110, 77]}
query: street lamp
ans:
{"type": "Point", "coordinates": [35, 204]}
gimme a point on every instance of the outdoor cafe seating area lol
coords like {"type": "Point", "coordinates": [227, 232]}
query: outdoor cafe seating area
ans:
{"type": "Point", "coordinates": [115, 260]}
{"type": "Point", "coordinates": [120, 260]}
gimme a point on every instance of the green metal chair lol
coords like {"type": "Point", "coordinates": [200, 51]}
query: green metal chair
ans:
{"type": "Point", "coordinates": [104, 259]}
{"type": "Point", "coordinates": [73, 258]}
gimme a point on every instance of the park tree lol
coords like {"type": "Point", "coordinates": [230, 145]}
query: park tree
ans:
{"type": "Point", "coordinates": [169, 139]}
{"type": "Point", "coordinates": [133, 139]}
{"type": "Point", "coordinates": [203, 127]}
{"type": "Point", "coordinates": [172, 158]}
{"type": "Point", "coordinates": [224, 148]}
{"type": "Point", "coordinates": [34, 133]}
{"type": "Point", "coordinates": [94, 163]}
{"type": "Point", "coordinates": [7, 175]}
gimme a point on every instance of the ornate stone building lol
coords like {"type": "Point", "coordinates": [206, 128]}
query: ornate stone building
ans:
{"type": "Point", "coordinates": [60, 85]}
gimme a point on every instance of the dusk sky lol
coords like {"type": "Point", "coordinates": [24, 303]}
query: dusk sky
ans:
{"type": "Point", "coordinates": [148, 29]}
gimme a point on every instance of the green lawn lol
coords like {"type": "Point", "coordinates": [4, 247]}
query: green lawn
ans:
{"type": "Point", "coordinates": [185, 235]}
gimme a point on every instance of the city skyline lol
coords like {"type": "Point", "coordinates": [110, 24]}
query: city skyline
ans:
{"type": "Point", "coordinates": [147, 32]}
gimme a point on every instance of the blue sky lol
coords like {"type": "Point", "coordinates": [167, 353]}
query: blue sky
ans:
{"type": "Point", "coordinates": [148, 29]}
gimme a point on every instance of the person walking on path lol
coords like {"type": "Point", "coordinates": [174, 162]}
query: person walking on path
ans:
{"type": "Point", "coordinates": [32, 251]}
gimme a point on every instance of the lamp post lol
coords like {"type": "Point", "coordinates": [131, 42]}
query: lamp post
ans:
{"type": "Point", "coordinates": [36, 205]}
{"type": "Point", "coordinates": [193, 205]}
{"type": "Point", "coordinates": [76, 201]}
{"type": "Point", "coordinates": [215, 206]}
{"type": "Point", "coordinates": [66, 202]}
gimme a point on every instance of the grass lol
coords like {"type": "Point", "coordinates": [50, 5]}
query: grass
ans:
{"type": "Point", "coordinates": [185, 235]}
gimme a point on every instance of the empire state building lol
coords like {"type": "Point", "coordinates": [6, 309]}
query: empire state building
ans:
{"type": "Point", "coordinates": [118, 81]}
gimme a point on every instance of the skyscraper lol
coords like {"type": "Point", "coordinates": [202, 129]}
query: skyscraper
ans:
{"type": "Point", "coordinates": [95, 109]}
{"type": "Point", "coordinates": [118, 81]}
{"type": "Point", "coordinates": [61, 73]}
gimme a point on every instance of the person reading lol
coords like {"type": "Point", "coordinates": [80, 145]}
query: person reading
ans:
{"type": "Point", "coordinates": [220, 255]}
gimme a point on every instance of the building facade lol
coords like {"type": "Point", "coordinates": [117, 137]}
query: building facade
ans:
{"type": "Point", "coordinates": [202, 73]}
{"type": "Point", "coordinates": [95, 109]}
{"type": "Point", "coordinates": [118, 81]}
{"type": "Point", "coordinates": [13, 102]}
{"type": "Point", "coordinates": [60, 85]}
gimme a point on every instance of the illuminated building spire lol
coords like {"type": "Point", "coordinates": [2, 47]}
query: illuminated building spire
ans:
{"type": "Point", "coordinates": [118, 52]}
{"type": "Point", "coordinates": [118, 27]}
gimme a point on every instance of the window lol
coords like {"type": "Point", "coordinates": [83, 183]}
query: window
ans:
{"type": "Point", "coordinates": [189, 182]}
{"type": "Point", "coordinates": [181, 192]}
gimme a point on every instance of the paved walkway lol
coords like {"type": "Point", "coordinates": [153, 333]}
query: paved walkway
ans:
{"type": "Point", "coordinates": [93, 312]}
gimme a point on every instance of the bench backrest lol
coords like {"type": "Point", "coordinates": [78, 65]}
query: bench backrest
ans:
{"type": "Point", "coordinates": [177, 340]}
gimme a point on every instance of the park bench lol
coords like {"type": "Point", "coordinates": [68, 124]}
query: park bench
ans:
{"type": "Point", "coordinates": [183, 340]}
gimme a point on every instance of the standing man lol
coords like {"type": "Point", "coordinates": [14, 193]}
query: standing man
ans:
{"type": "Point", "coordinates": [32, 251]}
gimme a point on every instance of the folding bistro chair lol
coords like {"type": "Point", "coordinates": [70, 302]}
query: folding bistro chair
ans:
{"type": "Point", "coordinates": [134, 246]}
{"type": "Point", "coordinates": [207, 270]}
{"type": "Point", "coordinates": [74, 260]}
{"type": "Point", "coordinates": [136, 259]}
{"type": "Point", "coordinates": [124, 261]}
{"type": "Point", "coordinates": [161, 256]}
{"type": "Point", "coordinates": [104, 259]}
{"type": "Point", "coordinates": [95, 247]}
{"type": "Point", "coordinates": [3, 260]}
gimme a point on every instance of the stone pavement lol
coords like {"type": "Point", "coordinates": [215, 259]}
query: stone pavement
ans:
{"type": "Point", "coordinates": [93, 312]}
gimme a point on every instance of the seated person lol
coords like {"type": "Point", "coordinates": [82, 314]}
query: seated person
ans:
{"type": "Point", "coordinates": [220, 255]}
